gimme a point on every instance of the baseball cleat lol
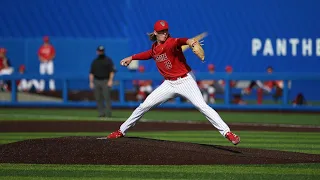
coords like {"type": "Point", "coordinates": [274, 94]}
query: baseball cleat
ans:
{"type": "Point", "coordinates": [116, 134]}
{"type": "Point", "coordinates": [233, 138]}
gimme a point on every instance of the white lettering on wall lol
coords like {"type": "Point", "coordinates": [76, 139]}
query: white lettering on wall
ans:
{"type": "Point", "coordinates": [268, 50]}
{"type": "Point", "coordinates": [307, 47]}
{"type": "Point", "coordinates": [283, 46]}
{"type": "Point", "coordinates": [256, 46]}
{"type": "Point", "coordinates": [318, 47]}
{"type": "Point", "coordinates": [294, 42]}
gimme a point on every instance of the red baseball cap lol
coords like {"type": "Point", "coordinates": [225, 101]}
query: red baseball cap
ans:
{"type": "Point", "coordinates": [3, 50]}
{"type": "Point", "coordinates": [228, 68]}
{"type": "Point", "coordinates": [22, 67]}
{"type": "Point", "coordinates": [211, 66]}
{"type": "Point", "coordinates": [46, 38]}
{"type": "Point", "coordinates": [161, 25]}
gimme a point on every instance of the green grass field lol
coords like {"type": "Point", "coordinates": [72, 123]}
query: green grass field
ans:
{"type": "Point", "coordinates": [288, 172]}
{"type": "Point", "coordinates": [286, 141]}
{"type": "Point", "coordinates": [158, 115]}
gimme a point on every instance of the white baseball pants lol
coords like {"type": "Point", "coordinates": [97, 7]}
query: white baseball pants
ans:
{"type": "Point", "coordinates": [47, 68]}
{"type": "Point", "coordinates": [185, 87]}
{"type": "Point", "coordinates": [26, 85]}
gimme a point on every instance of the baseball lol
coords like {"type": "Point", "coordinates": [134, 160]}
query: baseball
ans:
{"type": "Point", "coordinates": [122, 63]}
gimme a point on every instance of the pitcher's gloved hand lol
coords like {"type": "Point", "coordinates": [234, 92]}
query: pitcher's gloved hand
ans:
{"type": "Point", "coordinates": [196, 48]}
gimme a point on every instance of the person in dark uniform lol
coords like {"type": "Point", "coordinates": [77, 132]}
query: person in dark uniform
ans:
{"type": "Point", "coordinates": [101, 80]}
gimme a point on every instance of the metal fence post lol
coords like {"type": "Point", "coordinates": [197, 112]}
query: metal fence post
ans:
{"type": "Point", "coordinates": [13, 91]}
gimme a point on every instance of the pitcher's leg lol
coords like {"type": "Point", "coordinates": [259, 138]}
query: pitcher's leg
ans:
{"type": "Point", "coordinates": [190, 90]}
{"type": "Point", "coordinates": [160, 95]}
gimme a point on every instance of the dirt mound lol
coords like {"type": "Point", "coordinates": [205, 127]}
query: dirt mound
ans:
{"type": "Point", "coordinates": [134, 151]}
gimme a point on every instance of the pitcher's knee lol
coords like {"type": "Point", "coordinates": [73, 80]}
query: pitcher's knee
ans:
{"type": "Point", "coordinates": [144, 107]}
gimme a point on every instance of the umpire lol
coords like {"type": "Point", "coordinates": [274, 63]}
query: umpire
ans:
{"type": "Point", "coordinates": [101, 80]}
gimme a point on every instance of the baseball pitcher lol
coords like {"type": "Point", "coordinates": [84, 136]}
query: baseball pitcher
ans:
{"type": "Point", "coordinates": [179, 80]}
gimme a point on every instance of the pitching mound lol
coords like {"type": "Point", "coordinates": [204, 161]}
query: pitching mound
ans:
{"type": "Point", "coordinates": [134, 151]}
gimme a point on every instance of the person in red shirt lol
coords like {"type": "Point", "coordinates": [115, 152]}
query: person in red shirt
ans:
{"type": "Point", "coordinates": [179, 81]}
{"type": "Point", "coordinates": [144, 87]}
{"type": "Point", "coordinates": [228, 70]}
{"type": "Point", "coordinates": [266, 87]}
{"type": "Point", "coordinates": [5, 69]}
{"type": "Point", "coordinates": [3, 61]}
{"type": "Point", "coordinates": [25, 84]}
{"type": "Point", "coordinates": [236, 98]}
{"type": "Point", "coordinates": [46, 54]}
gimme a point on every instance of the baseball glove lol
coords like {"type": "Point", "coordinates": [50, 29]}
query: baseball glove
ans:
{"type": "Point", "coordinates": [199, 38]}
{"type": "Point", "coordinates": [197, 49]}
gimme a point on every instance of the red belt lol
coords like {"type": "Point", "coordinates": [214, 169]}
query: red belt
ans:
{"type": "Point", "coordinates": [175, 78]}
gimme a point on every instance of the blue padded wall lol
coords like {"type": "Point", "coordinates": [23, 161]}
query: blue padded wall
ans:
{"type": "Point", "coordinates": [231, 26]}
{"type": "Point", "coordinates": [57, 18]}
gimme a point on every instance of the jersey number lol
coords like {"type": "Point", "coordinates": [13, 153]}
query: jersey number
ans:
{"type": "Point", "coordinates": [168, 64]}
